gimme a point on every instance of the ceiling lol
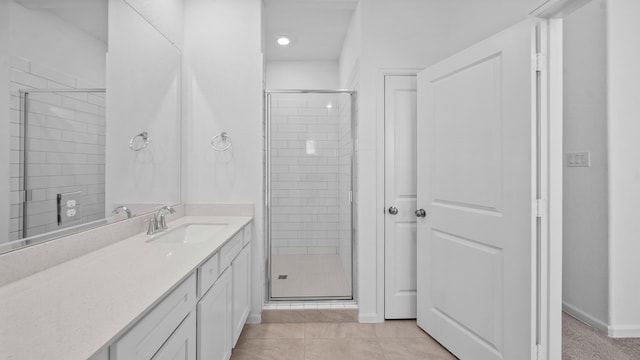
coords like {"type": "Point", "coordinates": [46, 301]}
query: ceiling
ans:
{"type": "Point", "coordinates": [317, 28]}
{"type": "Point", "coordinates": [89, 16]}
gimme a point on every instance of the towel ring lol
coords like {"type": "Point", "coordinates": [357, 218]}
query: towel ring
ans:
{"type": "Point", "coordinates": [144, 136]}
{"type": "Point", "coordinates": [224, 138]}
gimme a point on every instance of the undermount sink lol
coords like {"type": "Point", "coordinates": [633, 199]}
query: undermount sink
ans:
{"type": "Point", "coordinates": [188, 234]}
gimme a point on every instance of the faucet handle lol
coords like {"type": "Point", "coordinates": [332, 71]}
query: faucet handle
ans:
{"type": "Point", "coordinates": [153, 226]}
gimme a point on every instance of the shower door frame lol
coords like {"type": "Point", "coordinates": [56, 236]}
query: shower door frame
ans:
{"type": "Point", "coordinates": [267, 192]}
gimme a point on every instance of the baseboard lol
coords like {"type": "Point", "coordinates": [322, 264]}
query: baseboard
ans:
{"type": "Point", "coordinates": [625, 331]}
{"type": "Point", "coordinates": [370, 318]}
{"type": "Point", "coordinates": [585, 318]}
{"type": "Point", "coordinates": [254, 318]}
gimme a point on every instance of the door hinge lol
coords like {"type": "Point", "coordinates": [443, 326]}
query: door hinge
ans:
{"type": "Point", "coordinates": [540, 62]}
{"type": "Point", "coordinates": [350, 196]}
{"type": "Point", "coordinates": [541, 208]}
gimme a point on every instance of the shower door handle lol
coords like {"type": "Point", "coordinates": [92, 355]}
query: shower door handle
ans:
{"type": "Point", "coordinates": [393, 210]}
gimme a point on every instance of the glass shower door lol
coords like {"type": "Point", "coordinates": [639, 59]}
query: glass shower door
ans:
{"type": "Point", "coordinates": [309, 185]}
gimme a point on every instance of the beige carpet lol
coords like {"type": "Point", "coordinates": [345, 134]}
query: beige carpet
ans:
{"type": "Point", "coordinates": [581, 342]}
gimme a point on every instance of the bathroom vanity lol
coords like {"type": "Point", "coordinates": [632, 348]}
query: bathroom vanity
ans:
{"type": "Point", "coordinates": [173, 295]}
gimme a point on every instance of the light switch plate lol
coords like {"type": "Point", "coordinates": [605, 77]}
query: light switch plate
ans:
{"type": "Point", "coordinates": [579, 159]}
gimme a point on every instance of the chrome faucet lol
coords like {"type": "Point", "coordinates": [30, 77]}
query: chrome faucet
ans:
{"type": "Point", "coordinates": [123, 208]}
{"type": "Point", "coordinates": [158, 223]}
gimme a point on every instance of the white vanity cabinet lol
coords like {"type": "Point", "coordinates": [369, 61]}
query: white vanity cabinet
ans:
{"type": "Point", "coordinates": [241, 267]}
{"type": "Point", "coordinates": [223, 310]}
{"type": "Point", "coordinates": [202, 318]}
{"type": "Point", "coordinates": [214, 320]}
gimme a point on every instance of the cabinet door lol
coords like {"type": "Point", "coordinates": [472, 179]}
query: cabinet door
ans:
{"type": "Point", "coordinates": [241, 267]}
{"type": "Point", "coordinates": [149, 334]}
{"type": "Point", "coordinates": [214, 321]}
{"type": "Point", "coordinates": [182, 343]}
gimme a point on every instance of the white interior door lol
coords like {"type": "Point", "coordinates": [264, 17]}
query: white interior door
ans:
{"type": "Point", "coordinates": [476, 168]}
{"type": "Point", "coordinates": [400, 197]}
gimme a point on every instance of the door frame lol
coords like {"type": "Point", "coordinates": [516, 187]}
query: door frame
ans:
{"type": "Point", "coordinates": [551, 270]}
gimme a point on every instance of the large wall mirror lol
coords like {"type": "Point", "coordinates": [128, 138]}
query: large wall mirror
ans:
{"type": "Point", "coordinates": [94, 116]}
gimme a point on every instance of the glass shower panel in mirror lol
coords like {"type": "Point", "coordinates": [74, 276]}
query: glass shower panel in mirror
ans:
{"type": "Point", "coordinates": [59, 176]}
{"type": "Point", "coordinates": [309, 183]}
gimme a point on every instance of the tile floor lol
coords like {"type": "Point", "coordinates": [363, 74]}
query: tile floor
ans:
{"type": "Point", "coordinates": [308, 276]}
{"type": "Point", "coordinates": [391, 340]}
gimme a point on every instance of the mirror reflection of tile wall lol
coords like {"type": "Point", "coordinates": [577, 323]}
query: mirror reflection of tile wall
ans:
{"type": "Point", "coordinates": [66, 150]}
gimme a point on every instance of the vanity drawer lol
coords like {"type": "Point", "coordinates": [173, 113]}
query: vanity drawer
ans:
{"type": "Point", "coordinates": [148, 335]}
{"type": "Point", "coordinates": [247, 233]}
{"type": "Point", "coordinates": [207, 274]}
{"type": "Point", "coordinates": [230, 250]}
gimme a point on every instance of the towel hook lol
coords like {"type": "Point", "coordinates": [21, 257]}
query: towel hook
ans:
{"type": "Point", "coordinates": [224, 139]}
{"type": "Point", "coordinates": [144, 136]}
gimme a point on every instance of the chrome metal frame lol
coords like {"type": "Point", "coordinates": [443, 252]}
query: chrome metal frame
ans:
{"type": "Point", "coordinates": [267, 192]}
{"type": "Point", "coordinates": [24, 126]}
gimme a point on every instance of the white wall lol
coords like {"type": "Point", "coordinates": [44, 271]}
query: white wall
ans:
{"type": "Point", "coordinates": [302, 74]}
{"type": "Point", "coordinates": [4, 118]}
{"type": "Point", "coordinates": [144, 94]}
{"type": "Point", "coordinates": [585, 233]}
{"type": "Point", "coordinates": [165, 15]}
{"type": "Point", "coordinates": [350, 53]}
{"type": "Point", "coordinates": [623, 57]}
{"type": "Point", "coordinates": [404, 34]}
{"type": "Point", "coordinates": [223, 74]}
{"type": "Point", "coordinates": [48, 40]}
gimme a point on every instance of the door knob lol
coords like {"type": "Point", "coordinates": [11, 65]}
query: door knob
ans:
{"type": "Point", "coordinates": [420, 213]}
{"type": "Point", "coordinates": [393, 210]}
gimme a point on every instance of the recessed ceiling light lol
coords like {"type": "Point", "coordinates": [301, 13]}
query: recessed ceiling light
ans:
{"type": "Point", "coordinates": [283, 41]}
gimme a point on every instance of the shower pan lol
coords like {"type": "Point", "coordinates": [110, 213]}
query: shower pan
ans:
{"type": "Point", "coordinates": [309, 159]}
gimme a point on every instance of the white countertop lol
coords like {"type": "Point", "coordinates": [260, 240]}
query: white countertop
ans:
{"type": "Point", "coordinates": [74, 309]}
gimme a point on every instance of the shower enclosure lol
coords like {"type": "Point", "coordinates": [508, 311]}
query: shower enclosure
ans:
{"type": "Point", "coordinates": [309, 189]}
{"type": "Point", "coordinates": [59, 164]}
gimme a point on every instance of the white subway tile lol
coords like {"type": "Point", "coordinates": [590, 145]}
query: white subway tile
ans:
{"type": "Point", "coordinates": [54, 75]}
{"type": "Point", "coordinates": [284, 111]}
{"type": "Point", "coordinates": [43, 170]}
{"type": "Point", "coordinates": [89, 179]}
{"type": "Point", "coordinates": [27, 80]}
{"type": "Point", "coordinates": [87, 148]}
{"type": "Point", "coordinates": [78, 105]}
{"type": "Point", "coordinates": [38, 132]}
{"type": "Point", "coordinates": [66, 158]}
{"type": "Point", "coordinates": [50, 145]}
{"type": "Point", "coordinates": [80, 169]}
{"type": "Point", "coordinates": [45, 182]}
{"type": "Point", "coordinates": [91, 118]}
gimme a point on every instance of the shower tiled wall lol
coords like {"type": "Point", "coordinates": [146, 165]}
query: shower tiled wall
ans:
{"type": "Point", "coordinates": [66, 147]}
{"type": "Point", "coordinates": [305, 172]}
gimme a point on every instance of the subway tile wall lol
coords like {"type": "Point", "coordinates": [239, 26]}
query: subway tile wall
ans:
{"type": "Point", "coordinates": [65, 149]}
{"type": "Point", "coordinates": [306, 163]}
